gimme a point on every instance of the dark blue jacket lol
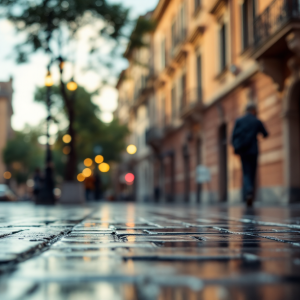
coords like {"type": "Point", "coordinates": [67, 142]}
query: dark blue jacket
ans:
{"type": "Point", "coordinates": [244, 136]}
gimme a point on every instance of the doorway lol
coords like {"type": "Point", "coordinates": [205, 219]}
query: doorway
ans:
{"type": "Point", "coordinates": [198, 158]}
{"type": "Point", "coordinates": [292, 142]}
{"type": "Point", "coordinates": [186, 162]}
{"type": "Point", "coordinates": [223, 180]}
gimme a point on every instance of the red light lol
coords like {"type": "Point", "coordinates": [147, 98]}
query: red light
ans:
{"type": "Point", "coordinates": [129, 177]}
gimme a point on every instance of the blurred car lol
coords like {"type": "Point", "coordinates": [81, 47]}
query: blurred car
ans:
{"type": "Point", "coordinates": [6, 193]}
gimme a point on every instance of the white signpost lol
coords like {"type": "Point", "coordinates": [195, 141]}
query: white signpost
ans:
{"type": "Point", "coordinates": [202, 174]}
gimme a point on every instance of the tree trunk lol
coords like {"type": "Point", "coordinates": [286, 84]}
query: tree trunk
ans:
{"type": "Point", "coordinates": [71, 166]}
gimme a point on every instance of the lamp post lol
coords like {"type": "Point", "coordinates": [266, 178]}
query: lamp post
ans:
{"type": "Point", "coordinates": [47, 195]}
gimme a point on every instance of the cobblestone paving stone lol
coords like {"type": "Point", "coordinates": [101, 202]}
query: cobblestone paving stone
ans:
{"type": "Point", "coordinates": [124, 251]}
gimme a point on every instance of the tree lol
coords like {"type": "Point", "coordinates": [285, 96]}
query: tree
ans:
{"type": "Point", "coordinates": [90, 130]}
{"type": "Point", "coordinates": [23, 154]}
{"type": "Point", "coordinates": [52, 26]}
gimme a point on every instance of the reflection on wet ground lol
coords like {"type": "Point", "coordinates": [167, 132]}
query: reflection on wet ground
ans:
{"type": "Point", "coordinates": [144, 252]}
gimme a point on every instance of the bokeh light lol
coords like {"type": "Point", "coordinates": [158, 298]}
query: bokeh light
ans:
{"type": "Point", "coordinates": [72, 86]}
{"type": "Point", "coordinates": [87, 172]}
{"type": "Point", "coordinates": [66, 150]}
{"type": "Point", "coordinates": [129, 177]}
{"type": "Point", "coordinates": [7, 175]}
{"type": "Point", "coordinates": [30, 183]}
{"type": "Point", "coordinates": [131, 149]}
{"type": "Point", "coordinates": [48, 80]}
{"type": "Point", "coordinates": [57, 192]}
{"type": "Point", "coordinates": [67, 138]}
{"type": "Point", "coordinates": [99, 159]}
{"type": "Point", "coordinates": [80, 177]}
{"type": "Point", "coordinates": [104, 167]}
{"type": "Point", "coordinates": [88, 162]}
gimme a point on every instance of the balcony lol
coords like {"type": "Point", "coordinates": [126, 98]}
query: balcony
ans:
{"type": "Point", "coordinates": [177, 41]}
{"type": "Point", "coordinates": [154, 136]}
{"type": "Point", "coordinates": [191, 104]}
{"type": "Point", "coordinates": [272, 26]}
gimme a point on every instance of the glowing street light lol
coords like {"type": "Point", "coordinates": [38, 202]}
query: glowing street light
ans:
{"type": "Point", "coordinates": [87, 172]}
{"type": "Point", "coordinates": [99, 159]}
{"type": "Point", "coordinates": [88, 162]}
{"type": "Point", "coordinates": [131, 149]}
{"type": "Point", "coordinates": [104, 167]}
{"type": "Point", "coordinates": [48, 79]}
{"type": "Point", "coordinates": [67, 138]}
{"type": "Point", "coordinates": [72, 85]}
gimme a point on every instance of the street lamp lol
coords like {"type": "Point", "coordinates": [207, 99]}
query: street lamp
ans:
{"type": "Point", "coordinates": [47, 195]}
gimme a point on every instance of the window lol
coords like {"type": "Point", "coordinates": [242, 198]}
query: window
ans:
{"type": "Point", "coordinates": [182, 22]}
{"type": "Point", "coordinates": [223, 46]}
{"type": "Point", "coordinates": [199, 77]}
{"type": "Point", "coordinates": [197, 4]}
{"type": "Point", "coordinates": [245, 24]}
{"type": "Point", "coordinates": [173, 103]}
{"type": "Point", "coordinates": [163, 110]}
{"type": "Point", "coordinates": [248, 14]}
{"type": "Point", "coordinates": [163, 53]}
{"type": "Point", "coordinates": [183, 90]}
{"type": "Point", "coordinates": [173, 33]}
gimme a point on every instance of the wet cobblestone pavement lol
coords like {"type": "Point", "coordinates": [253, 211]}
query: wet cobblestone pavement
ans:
{"type": "Point", "coordinates": [125, 251]}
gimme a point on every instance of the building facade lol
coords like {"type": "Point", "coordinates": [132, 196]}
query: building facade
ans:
{"type": "Point", "coordinates": [133, 111]}
{"type": "Point", "coordinates": [208, 59]}
{"type": "Point", "coordinates": [6, 111]}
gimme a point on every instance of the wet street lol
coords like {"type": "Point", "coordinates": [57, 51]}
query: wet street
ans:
{"type": "Point", "coordinates": [125, 251]}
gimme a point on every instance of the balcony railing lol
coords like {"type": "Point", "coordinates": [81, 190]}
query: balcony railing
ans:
{"type": "Point", "coordinates": [274, 17]}
{"type": "Point", "coordinates": [153, 135]}
{"type": "Point", "coordinates": [178, 39]}
{"type": "Point", "coordinates": [191, 98]}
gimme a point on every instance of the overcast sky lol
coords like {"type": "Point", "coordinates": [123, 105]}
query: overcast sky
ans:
{"type": "Point", "coordinates": [27, 76]}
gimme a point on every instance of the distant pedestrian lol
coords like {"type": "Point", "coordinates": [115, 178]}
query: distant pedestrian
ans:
{"type": "Point", "coordinates": [37, 183]}
{"type": "Point", "coordinates": [244, 141]}
{"type": "Point", "coordinates": [98, 187]}
{"type": "Point", "coordinates": [89, 184]}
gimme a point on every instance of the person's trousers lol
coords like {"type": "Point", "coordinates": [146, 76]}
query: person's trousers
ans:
{"type": "Point", "coordinates": [249, 165]}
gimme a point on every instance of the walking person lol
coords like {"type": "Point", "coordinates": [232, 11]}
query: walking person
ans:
{"type": "Point", "coordinates": [37, 183]}
{"type": "Point", "coordinates": [98, 187]}
{"type": "Point", "coordinates": [244, 141]}
{"type": "Point", "coordinates": [89, 184]}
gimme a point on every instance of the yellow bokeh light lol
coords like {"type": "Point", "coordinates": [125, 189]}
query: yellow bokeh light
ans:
{"type": "Point", "coordinates": [88, 162]}
{"type": "Point", "coordinates": [99, 159]}
{"type": "Point", "coordinates": [48, 80]}
{"type": "Point", "coordinates": [67, 138]}
{"type": "Point", "coordinates": [87, 172]}
{"type": "Point", "coordinates": [104, 167]}
{"type": "Point", "coordinates": [7, 175]}
{"type": "Point", "coordinates": [66, 150]}
{"type": "Point", "coordinates": [80, 177]}
{"type": "Point", "coordinates": [131, 149]}
{"type": "Point", "coordinates": [72, 86]}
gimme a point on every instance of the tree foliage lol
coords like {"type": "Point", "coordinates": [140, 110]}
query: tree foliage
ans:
{"type": "Point", "coordinates": [142, 27]}
{"type": "Point", "coordinates": [90, 130]}
{"type": "Point", "coordinates": [23, 154]}
{"type": "Point", "coordinates": [46, 20]}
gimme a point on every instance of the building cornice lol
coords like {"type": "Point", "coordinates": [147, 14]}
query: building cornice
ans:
{"type": "Point", "coordinates": [198, 31]}
{"type": "Point", "coordinates": [217, 6]}
{"type": "Point", "coordinates": [160, 9]}
{"type": "Point", "coordinates": [121, 79]}
{"type": "Point", "coordinates": [239, 80]}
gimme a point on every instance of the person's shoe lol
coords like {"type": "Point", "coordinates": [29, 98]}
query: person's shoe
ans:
{"type": "Point", "coordinates": [249, 200]}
